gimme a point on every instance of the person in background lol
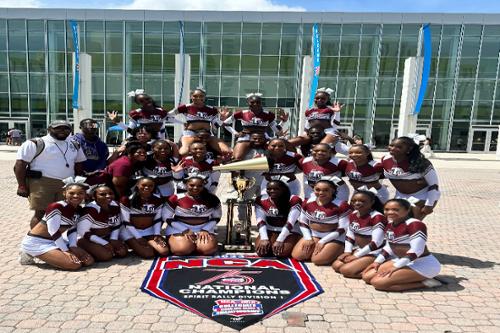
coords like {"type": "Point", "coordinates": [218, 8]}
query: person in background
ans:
{"type": "Point", "coordinates": [95, 150]}
{"type": "Point", "coordinates": [15, 136]}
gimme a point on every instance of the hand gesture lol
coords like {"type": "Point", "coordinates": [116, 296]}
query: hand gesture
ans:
{"type": "Point", "coordinates": [317, 248]}
{"type": "Point", "coordinates": [349, 258]}
{"type": "Point", "coordinates": [72, 257]}
{"type": "Point", "coordinates": [283, 116]}
{"type": "Point", "coordinates": [81, 254]}
{"type": "Point", "coordinates": [203, 237]}
{"type": "Point", "coordinates": [160, 241]}
{"type": "Point", "coordinates": [224, 113]}
{"type": "Point", "coordinates": [113, 116]}
{"type": "Point", "coordinates": [110, 248]}
{"type": "Point", "coordinates": [278, 248]}
{"type": "Point", "coordinates": [191, 236]}
{"type": "Point", "coordinates": [263, 247]}
{"type": "Point", "coordinates": [117, 246]}
{"type": "Point", "coordinates": [336, 107]}
{"type": "Point", "coordinates": [389, 272]}
{"type": "Point", "coordinates": [343, 256]}
{"type": "Point", "coordinates": [179, 167]}
{"type": "Point", "coordinates": [375, 266]}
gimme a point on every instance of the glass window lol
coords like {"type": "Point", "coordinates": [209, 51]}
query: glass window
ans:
{"type": "Point", "coordinates": [251, 28]}
{"type": "Point", "coordinates": [286, 88]}
{"type": "Point", "coordinates": [152, 84]}
{"type": "Point", "coordinates": [348, 65]}
{"type": "Point", "coordinates": [37, 83]}
{"type": "Point", "coordinates": [465, 89]}
{"type": "Point", "coordinates": [449, 46]}
{"type": "Point", "coordinates": [3, 36]}
{"type": "Point", "coordinates": [98, 83]}
{"type": "Point", "coordinates": [388, 66]}
{"type": "Point", "coordinates": [250, 65]}
{"type": "Point", "coordinates": [171, 27]}
{"type": "Point", "coordinates": [470, 47]}
{"type": "Point", "coordinates": [192, 27]}
{"type": "Point", "coordinates": [462, 110]}
{"type": "Point", "coordinates": [17, 61]}
{"type": "Point", "coordinates": [4, 82]}
{"type": "Point", "coordinates": [468, 67]}
{"type": "Point", "coordinates": [152, 42]}
{"type": "Point", "coordinates": [287, 66]}
{"type": "Point", "coordinates": [371, 29]}
{"type": "Point", "coordinates": [271, 28]}
{"type": "Point", "coordinates": [19, 105]}
{"type": "Point", "coordinates": [231, 44]}
{"type": "Point", "coordinates": [351, 29]}
{"type": "Point", "coordinates": [212, 64]}
{"type": "Point", "coordinates": [330, 29]}
{"type": "Point", "coordinates": [306, 45]}
{"type": "Point", "coordinates": [270, 44]}
{"type": "Point", "coordinates": [97, 62]}
{"type": "Point", "coordinates": [213, 27]}
{"type": "Point", "coordinates": [17, 35]}
{"type": "Point", "coordinates": [114, 62]}
{"type": "Point", "coordinates": [411, 29]}
{"type": "Point", "coordinates": [473, 30]}
{"type": "Point", "coordinates": [97, 106]}
{"type": "Point", "coordinates": [230, 27]}
{"type": "Point", "coordinates": [291, 28]}
{"type": "Point", "coordinates": [171, 43]}
{"type": "Point", "coordinates": [330, 46]}
{"type": "Point", "coordinates": [248, 85]}
{"type": "Point", "coordinates": [114, 84]}
{"type": "Point", "coordinates": [230, 65]}
{"type": "Point", "coordinates": [365, 88]}
{"type": "Point", "coordinates": [169, 87]}
{"type": "Point", "coordinates": [350, 46]}
{"type": "Point", "coordinates": [444, 89]}
{"type": "Point", "coordinates": [114, 41]}
{"type": "Point", "coordinates": [195, 65]}
{"type": "Point", "coordinates": [385, 88]}
{"type": "Point", "coordinates": [367, 66]}
{"type": "Point", "coordinates": [381, 132]}
{"type": "Point", "coordinates": [3, 61]}
{"type": "Point", "coordinates": [57, 84]}
{"type": "Point", "coordinates": [134, 81]}
{"type": "Point", "coordinates": [250, 45]}
{"type": "Point", "coordinates": [38, 103]}
{"type": "Point", "coordinates": [390, 46]}
{"type": "Point", "coordinates": [36, 61]}
{"type": "Point", "coordinates": [212, 84]}
{"type": "Point", "coordinates": [328, 66]}
{"type": "Point", "coordinates": [134, 63]}
{"type": "Point", "coordinates": [459, 135]}
{"type": "Point", "coordinates": [408, 46]}
{"type": "Point", "coordinates": [269, 65]}
{"type": "Point", "coordinates": [288, 45]}
{"type": "Point", "coordinates": [229, 86]}
{"type": "Point", "coordinates": [213, 44]}
{"type": "Point", "coordinates": [391, 29]}
{"type": "Point", "coordinates": [346, 88]}
{"type": "Point", "coordinates": [482, 110]}
{"type": "Point", "coordinates": [268, 87]}
{"type": "Point", "coordinates": [490, 47]}
{"type": "Point", "coordinates": [484, 90]}
{"type": "Point", "coordinates": [94, 31]}
{"type": "Point", "coordinates": [446, 67]}
{"type": "Point", "coordinates": [487, 68]}
{"type": "Point", "coordinates": [152, 63]}
{"type": "Point", "coordinates": [169, 63]}
{"type": "Point", "coordinates": [492, 30]}
{"type": "Point", "coordinates": [133, 41]}
{"type": "Point", "coordinates": [36, 40]}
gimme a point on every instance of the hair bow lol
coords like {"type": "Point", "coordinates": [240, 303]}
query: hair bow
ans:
{"type": "Point", "coordinates": [365, 188]}
{"type": "Point", "coordinates": [92, 188]}
{"type": "Point", "coordinates": [412, 201]}
{"type": "Point", "coordinates": [196, 175]}
{"type": "Point", "coordinates": [416, 137]}
{"type": "Point", "coordinates": [332, 179]}
{"type": "Point", "coordinates": [254, 94]}
{"type": "Point", "coordinates": [78, 180]}
{"type": "Point", "coordinates": [325, 90]}
{"type": "Point", "coordinates": [281, 178]}
{"type": "Point", "coordinates": [136, 92]}
{"type": "Point", "coordinates": [201, 89]}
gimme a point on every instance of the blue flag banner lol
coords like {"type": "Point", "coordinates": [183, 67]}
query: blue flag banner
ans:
{"type": "Point", "coordinates": [315, 52]}
{"type": "Point", "coordinates": [426, 67]}
{"type": "Point", "coordinates": [76, 78]}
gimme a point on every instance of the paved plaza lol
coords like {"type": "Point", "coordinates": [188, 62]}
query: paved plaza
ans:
{"type": "Point", "coordinates": [464, 234]}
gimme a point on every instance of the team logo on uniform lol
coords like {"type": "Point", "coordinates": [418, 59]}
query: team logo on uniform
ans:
{"type": "Point", "coordinates": [355, 175]}
{"type": "Point", "coordinates": [315, 175]}
{"type": "Point", "coordinates": [161, 171]}
{"type": "Point", "coordinates": [148, 208]}
{"type": "Point", "coordinates": [114, 220]}
{"type": "Point", "coordinates": [257, 121]}
{"type": "Point", "coordinates": [396, 171]}
{"type": "Point", "coordinates": [202, 115]}
{"type": "Point", "coordinates": [273, 211]}
{"type": "Point", "coordinates": [279, 166]}
{"type": "Point", "coordinates": [390, 235]}
{"type": "Point", "coordinates": [354, 226]}
{"type": "Point", "coordinates": [198, 209]}
{"type": "Point", "coordinates": [318, 214]}
{"type": "Point", "coordinates": [155, 117]}
{"type": "Point", "coordinates": [192, 169]}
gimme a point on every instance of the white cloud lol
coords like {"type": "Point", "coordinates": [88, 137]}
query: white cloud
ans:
{"type": "Point", "coordinates": [20, 3]}
{"type": "Point", "coordinates": [222, 5]}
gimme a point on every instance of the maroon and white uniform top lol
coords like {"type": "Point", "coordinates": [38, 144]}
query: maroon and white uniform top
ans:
{"type": "Point", "coordinates": [158, 169]}
{"type": "Point", "coordinates": [286, 165]}
{"type": "Point", "coordinates": [335, 213]}
{"type": "Point", "coordinates": [187, 213]}
{"type": "Point", "coordinates": [313, 171]}
{"type": "Point", "coordinates": [371, 225]}
{"type": "Point", "coordinates": [62, 217]}
{"type": "Point", "coordinates": [205, 114]}
{"type": "Point", "coordinates": [204, 168]}
{"type": "Point", "coordinates": [411, 232]}
{"type": "Point", "coordinates": [98, 225]}
{"type": "Point", "coordinates": [371, 172]}
{"type": "Point", "coordinates": [157, 116]}
{"type": "Point", "coordinates": [327, 113]}
{"type": "Point", "coordinates": [269, 218]}
{"type": "Point", "coordinates": [400, 171]}
{"type": "Point", "coordinates": [249, 120]}
{"type": "Point", "coordinates": [133, 207]}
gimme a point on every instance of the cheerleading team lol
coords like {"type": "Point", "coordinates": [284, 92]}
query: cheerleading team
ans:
{"type": "Point", "coordinates": [155, 198]}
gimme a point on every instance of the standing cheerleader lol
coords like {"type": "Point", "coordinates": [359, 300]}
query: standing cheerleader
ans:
{"type": "Point", "coordinates": [143, 214]}
{"type": "Point", "coordinates": [276, 214]}
{"type": "Point", "coordinates": [412, 175]}
{"type": "Point", "coordinates": [365, 235]}
{"type": "Point", "coordinates": [364, 172]}
{"type": "Point", "coordinates": [100, 224]}
{"type": "Point", "coordinates": [159, 166]}
{"type": "Point", "coordinates": [192, 219]}
{"type": "Point", "coordinates": [323, 223]}
{"type": "Point", "coordinates": [405, 262]}
{"type": "Point", "coordinates": [54, 239]}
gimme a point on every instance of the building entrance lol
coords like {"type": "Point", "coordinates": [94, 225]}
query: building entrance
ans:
{"type": "Point", "coordinates": [483, 140]}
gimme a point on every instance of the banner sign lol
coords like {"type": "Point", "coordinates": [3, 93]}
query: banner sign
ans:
{"type": "Point", "coordinates": [76, 77]}
{"type": "Point", "coordinates": [426, 67]}
{"type": "Point", "coordinates": [316, 53]}
{"type": "Point", "coordinates": [235, 291]}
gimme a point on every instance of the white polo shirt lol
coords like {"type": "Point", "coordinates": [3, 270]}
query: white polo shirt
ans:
{"type": "Point", "coordinates": [52, 161]}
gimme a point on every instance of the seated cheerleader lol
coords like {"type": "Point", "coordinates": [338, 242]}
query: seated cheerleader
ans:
{"type": "Point", "coordinates": [192, 219]}
{"type": "Point", "coordinates": [143, 214]}
{"type": "Point", "coordinates": [159, 167]}
{"type": "Point", "coordinates": [282, 163]}
{"type": "Point", "coordinates": [365, 235]}
{"type": "Point", "coordinates": [323, 223]}
{"type": "Point", "coordinates": [412, 175]}
{"type": "Point", "coordinates": [124, 168]}
{"type": "Point", "coordinates": [325, 115]}
{"type": "Point", "coordinates": [322, 164]}
{"type": "Point", "coordinates": [405, 262]}
{"type": "Point", "coordinates": [253, 120]}
{"type": "Point", "coordinates": [199, 116]}
{"type": "Point", "coordinates": [54, 239]}
{"type": "Point", "coordinates": [276, 214]}
{"type": "Point", "coordinates": [197, 162]}
{"type": "Point", "coordinates": [364, 172]}
{"type": "Point", "coordinates": [100, 224]}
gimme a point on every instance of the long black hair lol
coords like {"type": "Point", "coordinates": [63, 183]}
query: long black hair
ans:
{"type": "Point", "coordinates": [156, 105]}
{"type": "Point", "coordinates": [211, 199]}
{"type": "Point", "coordinates": [135, 198]}
{"type": "Point", "coordinates": [417, 161]}
{"type": "Point", "coordinates": [283, 202]}
{"type": "Point", "coordinates": [377, 204]}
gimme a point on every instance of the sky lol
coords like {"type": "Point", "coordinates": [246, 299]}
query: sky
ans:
{"type": "Point", "coordinates": [440, 6]}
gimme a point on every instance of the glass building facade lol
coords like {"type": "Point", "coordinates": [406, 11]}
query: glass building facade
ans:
{"type": "Point", "coordinates": [232, 54]}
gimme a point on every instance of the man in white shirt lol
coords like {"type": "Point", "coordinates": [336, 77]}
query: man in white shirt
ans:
{"type": "Point", "coordinates": [50, 159]}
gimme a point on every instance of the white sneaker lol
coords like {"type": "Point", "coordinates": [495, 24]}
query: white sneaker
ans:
{"type": "Point", "coordinates": [26, 259]}
{"type": "Point", "coordinates": [432, 283]}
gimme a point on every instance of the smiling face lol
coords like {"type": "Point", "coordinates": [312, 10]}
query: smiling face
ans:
{"type": "Point", "coordinates": [103, 195]}
{"type": "Point", "coordinates": [321, 153]}
{"type": "Point", "coordinates": [359, 155]}
{"type": "Point", "coordinates": [320, 99]}
{"type": "Point", "coordinates": [74, 195]}
{"type": "Point", "coordinates": [257, 139]}
{"type": "Point", "coordinates": [362, 203]}
{"type": "Point", "coordinates": [316, 135]}
{"type": "Point", "coordinates": [143, 135]}
{"type": "Point", "coordinates": [194, 186]}
{"type": "Point", "coordinates": [139, 155]}
{"type": "Point", "coordinates": [395, 211]}
{"type": "Point", "coordinates": [145, 187]}
{"type": "Point", "coordinates": [254, 104]}
{"type": "Point", "coordinates": [277, 148]}
{"type": "Point", "coordinates": [198, 150]}
{"type": "Point", "coordinates": [274, 190]}
{"type": "Point", "coordinates": [324, 191]}
{"type": "Point", "coordinates": [399, 149]}
{"type": "Point", "coordinates": [198, 98]}
{"type": "Point", "coordinates": [161, 150]}
{"type": "Point", "coordinates": [145, 101]}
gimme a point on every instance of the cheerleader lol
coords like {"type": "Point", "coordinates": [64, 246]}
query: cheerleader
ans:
{"type": "Point", "coordinates": [323, 223]}
{"type": "Point", "coordinates": [365, 235]}
{"type": "Point", "coordinates": [143, 214]}
{"type": "Point", "coordinates": [253, 120]}
{"type": "Point", "coordinates": [54, 239]}
{"type": "Point", "coordinates": [192, 219]}
{"type": "Point", "coordinates": [124, 168]}
{"type": "Point", "coordinates": [276, 214]}
{"type": "Point", "coordinates": [322, 164]}
{"type": "Point", "coordinates": [197, 163]}
{"type": "Point", "coordinates": [159, 167]}
{"type": "Point", "coordinates": [412, 175]}
{"type": "Point", "coordinates": [405, 262]}
{"type": "Point", "coordinates": [282, 163]}
{"type": "Point", "coordinates": [364, 172]}
{"type": "Point", "coordinates": [199, 116]}
{"type": "Point", "coordinates": [99, 226]}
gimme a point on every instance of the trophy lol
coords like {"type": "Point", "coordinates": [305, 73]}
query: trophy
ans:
{"type": "Point", "coordinates": [238, 237]}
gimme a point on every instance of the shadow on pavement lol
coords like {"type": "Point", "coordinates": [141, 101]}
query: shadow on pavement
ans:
{"type": "Point", "coordinates": [450, 259]}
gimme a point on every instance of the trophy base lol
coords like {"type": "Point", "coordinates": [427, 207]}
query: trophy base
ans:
{"type": "Point", "coordinates": [237, 248]}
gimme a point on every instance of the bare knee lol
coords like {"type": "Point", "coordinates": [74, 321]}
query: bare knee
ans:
{"type": "Point", "coordinates": [348, 272]}
{"type": "Point", "coordinates": [206, 250]}
{"type": "Point", "coordinates": [104, 255]}
{"type": "Point", "coordinates": [380, 283]}
{"type": "Point", "coordinates": [181, 247]}
{"type": "Point", "coordinates": [337, 264]}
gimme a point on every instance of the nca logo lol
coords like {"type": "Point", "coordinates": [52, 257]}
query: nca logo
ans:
{"type": "Point", "coordinates": [279, 166]}
{"type": "Point", "coordinates": [315, 175]}
{"type": "Point", "coordinates": [148, 208]}
{"type": "Point", "coordinates": [355, 175]}
{"type": "Point", "coordinates": [318, 214]}
{"type": "Point", "coordinates": [396, 171]}
{"type": "Point", "coordinates": [354, 226]}
{"type": "Point", "coordinates": [390, 235]}
{"type": "Point", "coordinates": [199, 208]}
{"type": "Point", "coordinates": [273, 211]}
{"type": "Point", "coordinates": [114, 220]}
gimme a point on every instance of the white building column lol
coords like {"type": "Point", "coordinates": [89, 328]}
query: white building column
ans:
{"type": "Point", "coordinates": [85, 90]}
{"type": "Point", "coordinates": [305, 90]}
{"type": "Point", "coordinates": [411, 82]}
{"type": "Point", "coordinates": [182, 86]}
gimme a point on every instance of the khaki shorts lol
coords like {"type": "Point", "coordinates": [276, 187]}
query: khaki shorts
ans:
{"type": "Point", "coordinates": [44, 191]}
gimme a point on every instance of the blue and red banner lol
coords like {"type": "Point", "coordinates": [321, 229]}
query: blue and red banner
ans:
{"type": "Point", "coordinates": [316, 57]}
{"type": "Point", "coordinates": [76, 77]}
{"type": "Point", "coordinates": [426, 67]}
